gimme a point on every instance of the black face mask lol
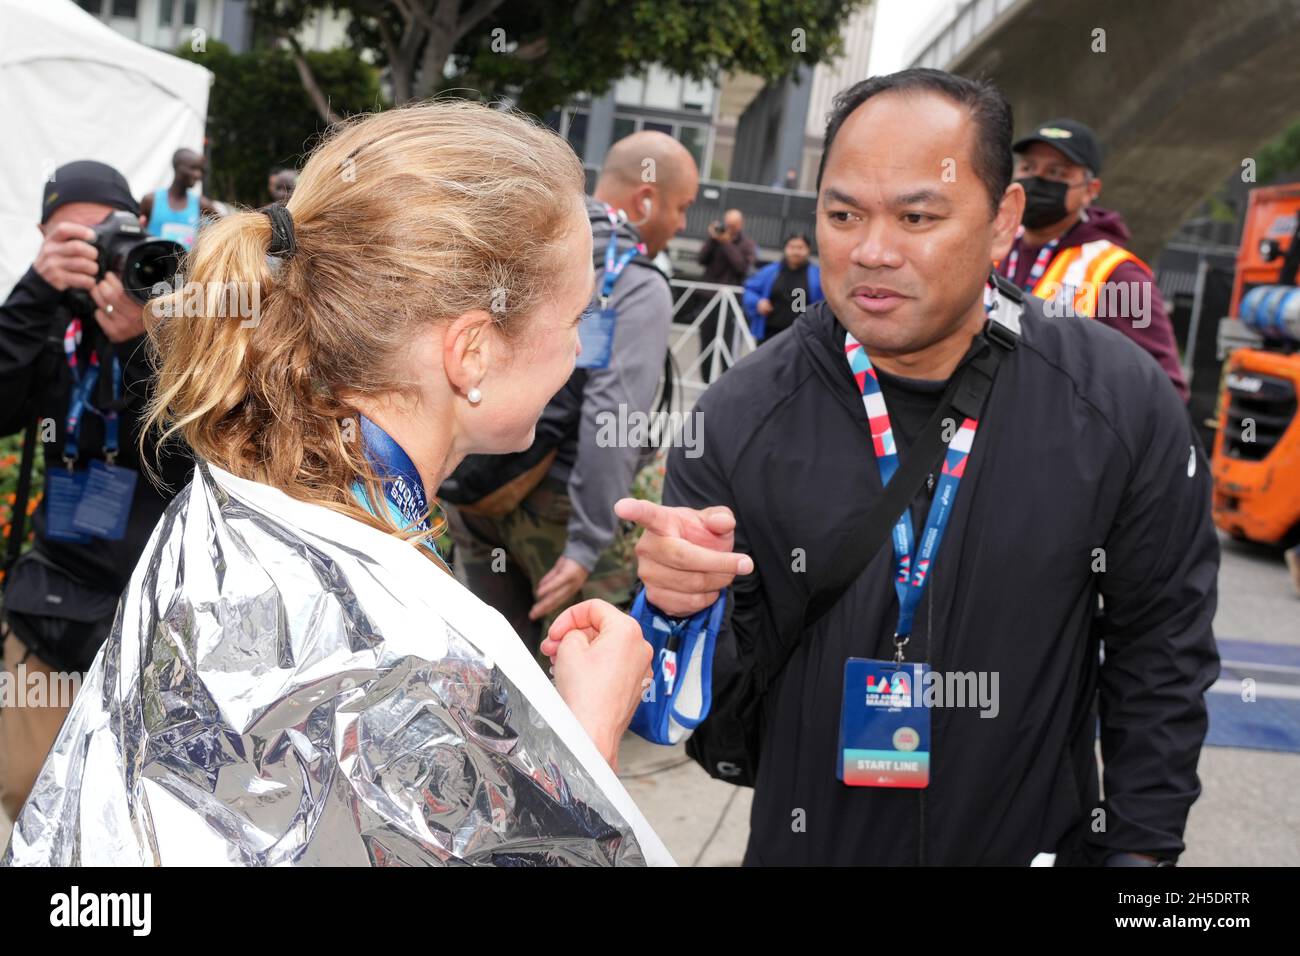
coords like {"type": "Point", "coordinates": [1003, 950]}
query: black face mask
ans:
{"type": "Point", "coordinates": [1044, 202]}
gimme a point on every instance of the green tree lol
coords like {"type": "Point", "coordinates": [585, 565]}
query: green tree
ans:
{"type": "Point", "coordinates": [1280, 156]}
{"type": "Point", "coordinates": [259, 115]}
{"type": "Point", "coordinates": [545, 51]}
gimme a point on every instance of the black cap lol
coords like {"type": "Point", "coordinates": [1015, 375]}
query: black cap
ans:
{"type": "Point", "coordinates": [87, 181]}
{"type": "Point", "coordinates": [1074, 139]}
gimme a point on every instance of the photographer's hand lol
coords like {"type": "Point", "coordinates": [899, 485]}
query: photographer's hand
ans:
{"type": "Point", "coordinates": [119, 315]}
{"type": "Point", "coordinates": [67, 260]}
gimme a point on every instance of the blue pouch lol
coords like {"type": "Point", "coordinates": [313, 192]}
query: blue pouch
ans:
{"type": "Point", "coordinates": [682, 691]}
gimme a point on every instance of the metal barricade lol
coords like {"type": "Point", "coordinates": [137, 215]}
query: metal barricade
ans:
{"type": "Point", "coordinates": [732, 342]}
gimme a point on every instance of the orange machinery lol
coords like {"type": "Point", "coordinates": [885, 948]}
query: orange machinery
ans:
{"type": "Point", "coordinates": [1256, 459]}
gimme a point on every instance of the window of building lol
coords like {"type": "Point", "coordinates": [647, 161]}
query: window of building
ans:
{"type": "Point", "coordinates": [695, 139]}
{"type": "Point", "coordinates": [660, 89]}
{"type": "Point", "coordinates": [623, 126]}
{"type": "Point", "coordinates": [190, 14]}
{"type": "Point", "coordinates": [91, 6]}
{"type": "Point", "coordinates": [164, 13]}
{"type": "Point", "coordinates": [576, 134]}
{"type": "Point", "coordinates": [663, 90]}
{"type": "Point", "coordinates": [124, 8]}
{"type": "Point", "coordinates": [697, 96]}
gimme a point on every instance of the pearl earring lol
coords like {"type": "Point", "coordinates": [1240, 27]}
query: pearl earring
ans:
{"type": "Point", "coordinates": [474, 396]}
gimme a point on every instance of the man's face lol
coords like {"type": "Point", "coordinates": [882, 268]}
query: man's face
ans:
{"type": "Point", "coordinates": [189, 170]}
{"type": "Point", "coordinates": [82, 213]}
{"type": "Point", "coordinates": [1050, 163]}
{"type": "Point", "coordinates": [281, 186]}
{"type": "Point", "coordinates": [667, 213]}
{"type": "Point", "coordinates": [905, 228]}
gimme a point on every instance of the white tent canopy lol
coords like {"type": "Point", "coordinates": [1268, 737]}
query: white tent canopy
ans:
{"type": "Point", "coordinates": [72, 88]}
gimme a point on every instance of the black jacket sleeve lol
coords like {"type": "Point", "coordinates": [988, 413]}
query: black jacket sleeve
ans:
{"type": "Point", "coordinates": [703, 482]}
{"type": "Point", "coordinates": [1159, 589]}
{"type": "Point", "coordinates": [25, 321]}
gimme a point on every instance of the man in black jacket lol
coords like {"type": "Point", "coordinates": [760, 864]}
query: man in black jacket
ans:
{"type": "Point", "coordinates": [1083, 479]}
{"type": "Point", "coordinates": [60, 597]}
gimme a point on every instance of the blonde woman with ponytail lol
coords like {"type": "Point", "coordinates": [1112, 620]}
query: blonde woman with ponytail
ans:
{"type": "Point", "coordinates": [294, 677]}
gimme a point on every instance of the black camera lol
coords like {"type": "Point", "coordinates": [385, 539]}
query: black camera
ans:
{"type": "Point", "coordinates": [140, 260]}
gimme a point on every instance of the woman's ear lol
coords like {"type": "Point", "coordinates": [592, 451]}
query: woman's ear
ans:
{"type": "Point", "coordinates": [469, 345]}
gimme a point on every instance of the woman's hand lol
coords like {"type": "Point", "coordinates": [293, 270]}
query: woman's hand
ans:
{"type": "Point", "coordinates": [601, 665]}
{"type": "Point", "coordinates": [765, 307]}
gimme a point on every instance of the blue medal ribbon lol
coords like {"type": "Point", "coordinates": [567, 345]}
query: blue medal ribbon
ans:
{"type": "Point", "coordinates": [403, 487]}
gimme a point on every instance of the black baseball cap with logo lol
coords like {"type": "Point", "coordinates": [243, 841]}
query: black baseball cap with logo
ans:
{"type": "Point", "coordinates": [87, 181]}
{"type": "Point", "coordinates": [1077, 141]}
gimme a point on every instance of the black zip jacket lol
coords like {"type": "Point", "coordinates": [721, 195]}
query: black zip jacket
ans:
{"type": "Point", "coordinates": [35, 383]}
{"type": "Point", "coordinates": [1083, 445]}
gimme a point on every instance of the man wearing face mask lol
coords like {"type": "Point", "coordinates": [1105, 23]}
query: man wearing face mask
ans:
{"type": "Point", "coordinates": [1071, 252]}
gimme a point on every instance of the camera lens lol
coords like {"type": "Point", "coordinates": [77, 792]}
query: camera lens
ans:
{"type": "Point", "coordinates": [148, 264]}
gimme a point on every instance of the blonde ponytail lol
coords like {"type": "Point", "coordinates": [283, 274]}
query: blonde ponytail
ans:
{"type": "Point", "coordinates": [400, 218]}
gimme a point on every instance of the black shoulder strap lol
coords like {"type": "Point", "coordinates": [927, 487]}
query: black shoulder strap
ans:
{"type": "Point", "coordinates": [964, 397]}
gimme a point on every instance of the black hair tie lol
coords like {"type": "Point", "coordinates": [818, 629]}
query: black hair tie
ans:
{"type": "Point", "coordinates": [283, 243]}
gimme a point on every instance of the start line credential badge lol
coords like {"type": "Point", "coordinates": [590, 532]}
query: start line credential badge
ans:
{"type": "Point", "coordinates": [884, 725]}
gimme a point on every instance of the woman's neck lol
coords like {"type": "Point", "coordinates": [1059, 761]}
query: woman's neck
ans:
{"type": "Point", "coordinates": [428, 447]}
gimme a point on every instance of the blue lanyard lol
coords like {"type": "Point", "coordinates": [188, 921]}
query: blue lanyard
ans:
{"type": "Point", "coordinates": [614, 263]}
{"type": "Point", "coordinates": [79, 402]}
{"type": "Point", "coordinates": [909, 579]}
{"type": "Point", "coordinates": [403, 486]}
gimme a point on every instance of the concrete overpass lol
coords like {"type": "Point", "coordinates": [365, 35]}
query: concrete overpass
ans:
{"type": "Point", "coordinates": [1184, 92]}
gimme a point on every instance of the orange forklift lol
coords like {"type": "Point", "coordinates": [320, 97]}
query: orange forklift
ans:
{"type": "Point", "coordinates": [1256, 459]}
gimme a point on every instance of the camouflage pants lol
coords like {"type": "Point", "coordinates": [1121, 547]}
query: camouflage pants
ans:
{"type": "Point", "coordinates": [502, 559]}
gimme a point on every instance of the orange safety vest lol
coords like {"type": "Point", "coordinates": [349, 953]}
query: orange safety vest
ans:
{"type": "Point", "coordinates": [1080, 271]}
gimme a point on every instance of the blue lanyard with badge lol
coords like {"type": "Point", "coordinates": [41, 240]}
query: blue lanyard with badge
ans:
{"type": "Point", "coordinates": [884, 723]}
{"type": "Point", "coordinates": [596, 330]}
{"type": "Point", "coordinates": [95, 503]}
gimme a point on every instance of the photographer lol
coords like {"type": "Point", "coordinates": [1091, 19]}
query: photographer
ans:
{"type": "Point", "coordinates": [727, 256]}
{"type": "Point", "coordinates": [74, 366]}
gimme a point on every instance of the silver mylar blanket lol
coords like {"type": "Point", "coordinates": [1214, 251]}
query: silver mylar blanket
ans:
{"type": "Point", "coordinates": [286, 686]}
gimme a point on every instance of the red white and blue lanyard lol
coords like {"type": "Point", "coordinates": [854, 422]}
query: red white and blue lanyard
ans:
{"type": "Point", "coordinates": [82, 388]}
{"type": "Point", "coordinates": [1040, 263]}
{"type": "Point", "coordinates": [614, 263]}
{"type": "Point", "coordinates": [909, 580]}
